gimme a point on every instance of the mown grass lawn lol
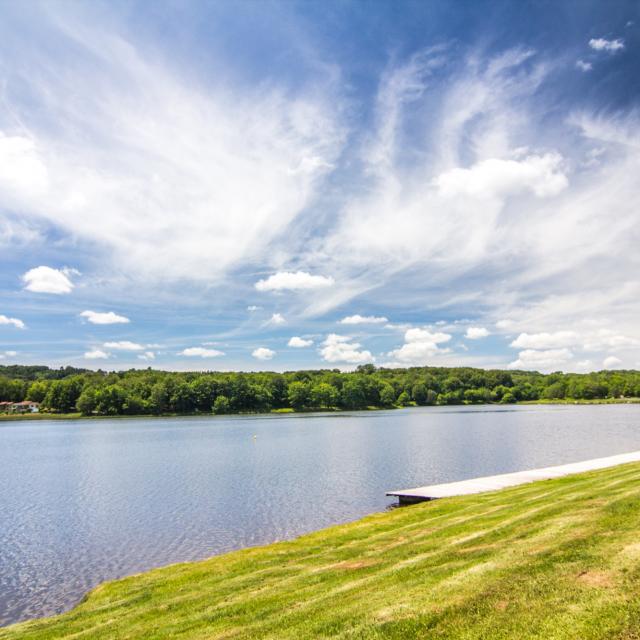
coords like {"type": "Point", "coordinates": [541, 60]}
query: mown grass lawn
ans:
{"type": "Point", "coordinates": [549, 560]}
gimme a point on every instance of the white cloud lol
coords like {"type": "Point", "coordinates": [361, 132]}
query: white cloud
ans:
{"type": "Point", "coordinates": [505, 325]}
{"type": "Point", "coordinates": [608, 339]}
{"type": "Point", "coordinates": [358, 319]}
{"type": "Point", "coordinates": [252, 307]}
{"type": "Point", "coordinates": [14, 321]}
{"type": "Point", "coordinates": [499, 178]}
{"type": "Point", "coordinates": [96, 354]}
{"type": "Point", "coordinates": [11, 354]}
{"type": "Point", "coordinates": [420, 345]}
{"type": "Point", "coordinates": [123, 345]}
{"type": "Point", "coordinates": [263, 353]}
{"type": "Point", "coordinates": [20, 167]}
{"type": "Point", "coordinates": [277, 319]}
{"type": "Point", "coordinates": [584, 66]}
{"type": "Point", "coordinates": [584, 366]}
{"type": "Point", "coordinates": [147, 355]}
{"type": "Point", "coordinates": [108, 317]}
{"type": "Point", "coordinates": [546, 340]}
{"type": "Point", "coordinates": [299, 343]}
{"type": "Point", "coordinates": [602, 44]}
{"type": "Point", "coordinates": [201, 352]}
{"type": "Point", "coordinates": [337, 348]}
{"type": "Point", "coordinates": [611, 362]}
{"type": "Point", "coordinates": [47, 280]}
{"type": "Point", "coordinates": [152, 148]}
{"type": "Point", "coordinates": [541, 360]}
{"type": "Point", "coordinates": [298, 280]}
{"type": "Point", "coordinates": [474, 333]}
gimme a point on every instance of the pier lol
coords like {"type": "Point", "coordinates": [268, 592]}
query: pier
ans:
{"type": "Point", "coordinates": [502, 481]}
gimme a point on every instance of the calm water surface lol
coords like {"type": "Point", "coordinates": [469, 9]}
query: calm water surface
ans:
{"type": "Point", "coordinates": [86, 501]}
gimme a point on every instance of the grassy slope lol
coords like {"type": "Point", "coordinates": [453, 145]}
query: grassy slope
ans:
{"type": "Point", "coordinates": [553, 559]}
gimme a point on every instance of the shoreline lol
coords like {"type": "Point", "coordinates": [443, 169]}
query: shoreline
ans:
{"type": "Point", "coordinates": [466, 560]}
{"type": "Point", "coordinates": [275, 412]}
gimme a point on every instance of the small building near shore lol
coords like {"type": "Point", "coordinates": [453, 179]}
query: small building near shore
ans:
{"type": "Point", "coordinates": [25, 406]}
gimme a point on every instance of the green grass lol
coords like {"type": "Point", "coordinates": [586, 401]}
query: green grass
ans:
{"type": "Point", "coordinates": [557, 559]}
{"type": "Point", "coordinates": [39, 416]}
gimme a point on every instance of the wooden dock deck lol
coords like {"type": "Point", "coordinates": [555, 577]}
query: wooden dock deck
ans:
{"type": "Point", "coordinates": [493, 483]}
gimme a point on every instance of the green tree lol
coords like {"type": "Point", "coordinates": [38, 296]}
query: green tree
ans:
{"type": "Point", "coordinates": [324, 395]}
{"type": "Point", "coordinates": [387, 395]}
{"type": "Point", "coordinates": [221, 405]}
{"type": "Point", "coordinates": [299, 395]}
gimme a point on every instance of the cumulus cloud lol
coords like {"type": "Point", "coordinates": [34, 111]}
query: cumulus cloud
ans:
{"type": "Point", "coordinates": [546, 340]}
{"type": "Point", "coordinates": [475, 333]}
{"type": "Point", "coordinates": [498, 178]}
{"type": "Point", "coordinates": [147, 355]}
{"type": "Point", "coordinates": [294, 281]}
{"type": "Point", "coordinates": [263, 353]}
{"type": "Point", "coordinates": [123, 345]}
{"type": "Point", "coordinates": [541, 360]}
{"type": "Point", "coordinates": [13, 321]}
{"type": "Point", "coordinates": [420, 345]}
{"type": "Point", "coordinates": [299, 343]}
{"type": "Point", "coordinates": [252, 307]}
{"type": "Point", "coordinates": [358, 319]}
{"type": "Point", "coordinates": [337, 348]}
{"type": "Point", "coordinates": [201, 352]}
{"type": "Point", "coordinates": [96, 354]}
{"type": "Point", "coordinates": [276, 319]}
{"type": "Point", "coordinates": [584, 66]}
{"type": "Point", "coordinates": [611, 362]}
{"type": "Point", "coordinates": [47, 280]}
{"type": "Point", "coordinates": [106, 317]}
{"type": "Point", "coordinates": [602, 44]}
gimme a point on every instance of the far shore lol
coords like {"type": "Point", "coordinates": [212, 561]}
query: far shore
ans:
{"type": "Point", "coordinates": [79, 416]}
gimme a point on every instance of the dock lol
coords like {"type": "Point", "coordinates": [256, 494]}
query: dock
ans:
{"type": "Point", "coordinates": [493, 483]}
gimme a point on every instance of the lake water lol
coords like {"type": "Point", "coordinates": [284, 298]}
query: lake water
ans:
{"type": "Point", "coordinates": [86, 501]}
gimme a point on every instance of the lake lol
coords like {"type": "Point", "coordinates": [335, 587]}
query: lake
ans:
{"type": "Point", "coordinates": [85, 501]}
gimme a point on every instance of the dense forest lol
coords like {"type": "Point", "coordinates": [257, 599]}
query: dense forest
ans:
{"type": "Point", "coordinates": [138, 392]}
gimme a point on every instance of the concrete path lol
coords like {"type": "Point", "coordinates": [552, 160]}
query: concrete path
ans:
{"type": "Point", "coordinates": [492, 483]}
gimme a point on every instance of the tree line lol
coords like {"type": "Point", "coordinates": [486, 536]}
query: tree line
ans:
{"type": "Point", "coordinates": [150, 392]}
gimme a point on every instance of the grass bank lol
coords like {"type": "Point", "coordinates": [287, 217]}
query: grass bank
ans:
{"type": "Point", "coordinates": [556, 559]}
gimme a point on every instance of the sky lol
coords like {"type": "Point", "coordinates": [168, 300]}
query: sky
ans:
{"type": "Point", "coordinates": [287, 185]}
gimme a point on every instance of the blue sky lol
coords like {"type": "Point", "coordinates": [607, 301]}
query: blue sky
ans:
{"type": "Point", "coordinates": [282, 185]}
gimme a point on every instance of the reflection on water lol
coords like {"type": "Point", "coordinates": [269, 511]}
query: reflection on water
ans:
{"type": "Point", "coordinates": [86, 501]}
